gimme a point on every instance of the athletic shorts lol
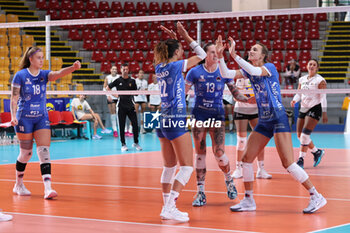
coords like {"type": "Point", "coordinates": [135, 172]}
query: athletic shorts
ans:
{"type": "Point", "coordinates": [202, 115]}
{"type": "Point", "coordinates": [30, 125]}
{"type": "Point", "coordinates": [172, 133]}
{"type": "Point", "coordinates": [269, 128]}
{"type": "Point", "coordinates": [140, 102]}
{"type": "Point", "coordinates": [241, 116]}
{"type": "Point", "coordinates": [225, 102]}
{"type": "Point", "coordinates": [314, 112]}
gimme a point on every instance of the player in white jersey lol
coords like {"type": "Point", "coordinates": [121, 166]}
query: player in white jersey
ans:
{"type": "Point", "coordinates": [245, 113]}
{"type": "Point", "coordinates": [154, 100]}
{"type": "Point", "coordinates": [141, 100]}
{"type": "Point", "coordinates": [313, 107]}
{"type": "Point", "coordinates": [111, 99]}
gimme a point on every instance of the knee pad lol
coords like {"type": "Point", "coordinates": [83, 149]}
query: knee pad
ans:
{"type": "Point", "coordinates": [248, 172]}
{"type": "Point", "coordinates": [241, 143]}
{"type": "Point", "coordinates": [25, 150]}
{"type": "Point", "coordinates": [200, 161]}
{"type": "Point", "coordinates": [43, 154]}
{"type": "Point", "coordinates": [305, 139]}
{"type": "Point", "coordinates": [184, 175]}
{"type": "Point", "coordinates": [167, 175]}
{"type": "Point", "coordinates": [298, 173]}
{"type": "Point", "coordinates": [222, 161]}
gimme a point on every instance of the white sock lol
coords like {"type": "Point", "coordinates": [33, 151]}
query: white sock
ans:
{"type": "Point", "coordinates": [313, 150]}
{"type": "Point", "coordinates": [19, 177]}
{"type": "Point", "coordinates": [302, 154]}
{"type": "Point", "coordinates": [228, 176]}
{"type": "Point", "coordinates": [172, 199]}
{"type": "Point", "coordinates": [313, 191]}
{"type": "Point", "coordinates": [239, 164]}
{"type": "Point", "coordinates": [47, 181]}
{"type": "Point", "coordinates": [200, 188]}
{"type": "Point", "coordinates": [114, 122]}
{"type": "Point", "coordinates": [249, 193]}
{"type": "Point", "coordinates": [261, 164]}
{"type": "Point", "coordinates": [166, 197]}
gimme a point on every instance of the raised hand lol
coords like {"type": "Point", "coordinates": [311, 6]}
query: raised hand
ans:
{"type": "Point", "coordinates": [232, 49]}
{"type": "Point", "coordinates": [171, 33]}
{"type": "Point", "coordinates": [181, 30]}
{"type": "Point", "coordinates": [219, 46]}
{"type": "Point", "coordinates": [77, 65]}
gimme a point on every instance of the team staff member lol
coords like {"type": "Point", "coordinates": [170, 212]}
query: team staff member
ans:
{"type": "Point", "coordinates": [30, 117]}
{"type": "Point", "coordinates": [126, 105]}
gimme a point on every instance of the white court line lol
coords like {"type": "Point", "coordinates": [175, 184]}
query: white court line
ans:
{"type": "Point", "coordinates": [328, 228]}
{"type": "Point", "coordinates": [157, 167]}
{"type": "Point", "coordinates": [130, 223]}
{"type": "Point", "coordinates": [185, 190]}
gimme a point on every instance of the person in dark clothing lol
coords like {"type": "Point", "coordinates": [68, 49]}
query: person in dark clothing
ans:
{"type": "Point", "coordinates": [125, 106]}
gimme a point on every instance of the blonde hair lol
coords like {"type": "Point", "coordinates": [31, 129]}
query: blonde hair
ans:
{"type": "Point", "coordinates": [165, 50]}
{"type": "Point", "coordinates": [25, 62]}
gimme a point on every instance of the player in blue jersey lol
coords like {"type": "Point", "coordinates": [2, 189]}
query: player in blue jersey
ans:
{"type": "Point", "coordinates": [209, 86]}
{"type": "Point", "coordinates": [273, 122]}
{"type": "Point", "coordinates": [30, 118]}
{"type": "Point", "coordinates": [175, 142]}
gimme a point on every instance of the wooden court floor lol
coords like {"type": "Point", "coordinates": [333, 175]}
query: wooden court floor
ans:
{"type": "Point", "coordinates": [121, 193]}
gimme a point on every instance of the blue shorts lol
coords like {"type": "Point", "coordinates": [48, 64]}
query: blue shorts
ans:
{"type": "Point", "coordinates": [172, 132]}
{"type": "Point", "coordinates": [269, 128]}
{"type": "Point", "coordinates": [30, 125]}
{"type": "Point", "coordinates": [203, 115]}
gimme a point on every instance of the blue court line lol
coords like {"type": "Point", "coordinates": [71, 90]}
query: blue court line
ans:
{"type": "Point", "coordinates": [336, 229]}
{"type": "Point", "coordinates": [80, 148]}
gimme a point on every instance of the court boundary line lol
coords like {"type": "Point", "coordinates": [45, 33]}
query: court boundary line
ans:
{"type": "Point", "coordinates": [185, 190]}
{"type": "Point", "coordinates": [130, 223]}
{"type": "Point", "coordinates": [328, 228]}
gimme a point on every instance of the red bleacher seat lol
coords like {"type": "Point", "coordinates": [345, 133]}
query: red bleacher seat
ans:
{"type": "Point", "coordinates": [141, 13]}
{"type": "Point", "coordinates": [91, 5]}
{"type": "Point", "coordinates": [193, 25]}
{"type": "Point", "coordinates": [111, 56]}
{"type": "Point", "coordinates": [308, 17]}
{"type": "Point", "coordinates": [155, 25]}
{"type": "Point", "coordinates": [300, 24]}
{"type": "Point", "coordinates": [134, 66]}
{"type": "Point", "coordinates": [273, 34]}
{"type": "Point", "coordinates": [64, 14]}
{"type": "Point", "coordinates": [313, 34]}
{"type": "Point", "coordinates": [278, 65]}
{"type": "Point", "coordinates": [113, 34]}
{"type": "Point", "coordinates": [142, 45]}
{"type": "Point", "coordinates": [278, 44]}
{"type": "Point", "coordinates": [287, 24]}
{"type": "Point", "coordinates": [274, 24]}
{"type": "Point", "coordinates": [115, 45]}
{"type": "Point", "coordinates": [102, 44]}
{"type": "Point", "coordinates": [74, 34]}
{"type": "Point", "coordinates": [295, 17]}
{"type": "Point", "coordinates": [152, 35]}
{"type": "Point", "coordinates": [54, 4]}
{"type": "Point", "coordinates": [103, 6]}
{"type": "Point", "coordinates": [129, 45]}
{"type": "Point", "coordinates": [234, 25]}
{"type": "Point", "coordinates": [267, 43]}
{"type": "Point", "coordinates": [292, 44]}
{"type": "Point", "coordinates": [102, 14]}
{"type": "Point", "coordinates": [147, 66]}
{"type": "Point", "coordinates": [286, 34]}
{"type": "Point", "coordinates": [220, 32]}
{"type": "Point", "coordinates": [97, 56]}
{"type": "Point", "coordinates": [130, 26]}
{"type": "Point", "coordinates": [170, 25]}
{"type": "Point", "coordinates": [143, 26]}
{"type": "Point", "coordinates": [321, 17]}
{"type": "Point", "coordinates": [179, 7]}
{"type": "Point", "coordinates": [246, 34]}
{"type": "Point", "coordinates": [78, 5]}
{"type": "Point", "coordinates": [164, 36]}
{"type": "Point", "coordinates": [128, 14]}
{"type": "Point", "coordinates": [119, 64]}
{"type": "Point", "coordinates": [259, 34]}
{"type": "Point", "coordinates": [126, 35]}
{"type": "Point", "coordinates": [260, 25]}
{"type": "Point", "coordinates": [249, 44]}
{"type": "Point", "coordinates": [154, 6]}
{"type": "Point", "coordinates": [115, 13]}
{"type": "Point", "coordinates": [53, 14]}
{"type": "Point", "coordinates": [247, 25]}
{"type": "Point", "coordinates": [303, 65]}
{"type": "Point", "coordinates": [90, 14]}
{"type": "Point", "coordinates": [87, 34]}
{"type": "Point", "coordinates": [118, 26]}
{"type": "Point", "coordinates": [88, 44]}
{"type": "Point", "coordinates": [305, 44]}
{"type": "Point", "coordinates": [232, 65]}
{"type": "Point", "coordinates": [77, 14]}
{"type": "Point", "coordinates": [277, 55]}
{"type": "Point", "coordinates": [150, 55]}
{"type": "Point", "coordinates": [313, 24]}
{"type": "Point", "coordinates": [239, 44]}
{"type": "Point", "coordinates": [233, 33]}
{"type": "Point", "coordinates": [139, 35]}
{"type": "Point", "coordinates": [138, 56]}
{"type": "Point", "coordinates": [116, 6]}
{"type": "Point", "coordinates": [304, 55]}
{"type": "Point", "coordinates": [141, 6]}
{"type": "Point", "coordinates": [290, 54]}
{"type": "Point", "coordinates": [41, 4]}
{"type": "Point", "coordinates": [129, 6]}
{"type": "Point", "coordinates": [221, 24]}
{"type": "Point", "coordinates": [125, 55]}
{"type": "Point", "coordinates": [100, 34]}
{"type": "Point", "coordinates": [192, 7]}
{"type": "Point", "coordinates": [268, 18]}
{"type": "Point", "coordinates": [106, 66]}
{"type": "Point", "coordinates": [243, 18]}
{"type": "Point", "coordinates": [282, 17]}
{"type": "Point", "coordinates": [257, 18]}
{"type": "Point", "coordinates": [66, 4]}
{"type": "Point", "coordinates": [166, 6]}
{"type": "Point", "coordinates": [300, 34]}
